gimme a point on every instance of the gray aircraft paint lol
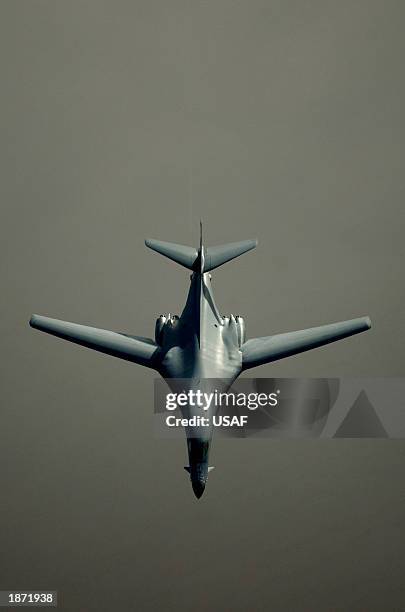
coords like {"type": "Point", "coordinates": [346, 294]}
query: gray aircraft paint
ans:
{"type": "Point", "coordinates": [201, 344]}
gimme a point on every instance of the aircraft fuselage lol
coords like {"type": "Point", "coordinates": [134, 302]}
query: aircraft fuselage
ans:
{"type": "Point", "coordinates": [196, 348]}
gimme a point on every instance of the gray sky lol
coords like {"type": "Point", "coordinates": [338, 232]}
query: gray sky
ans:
{"type": "Point", "coordinates": [122, 120]}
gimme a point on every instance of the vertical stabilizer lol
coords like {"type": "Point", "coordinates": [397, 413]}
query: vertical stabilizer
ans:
{"type": "Point", "coordinates": [201, 251]}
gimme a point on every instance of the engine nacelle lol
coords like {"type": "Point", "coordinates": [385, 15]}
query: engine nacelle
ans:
{"type": "Point", "coordinates": [159, 326]}
{"type": "Point", "coordinates": [163, 324]}
{"type": "Point", "coordinates": [240, 325]}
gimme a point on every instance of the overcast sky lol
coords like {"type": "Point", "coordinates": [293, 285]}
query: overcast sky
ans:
{"type": "Point", "coordinates": [281, 120]}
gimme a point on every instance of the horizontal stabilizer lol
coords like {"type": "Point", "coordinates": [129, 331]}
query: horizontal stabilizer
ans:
{"type": "Point", "coordinates": [258, 351]}
{"type": "Point", "coordinates": [119, 345]}
{"type": "Point", "coordinates": [190, 258]}
{"type": "Point", "coordinates": [184, 255]}
{"type": "Point", "coordinates": [218, 255]}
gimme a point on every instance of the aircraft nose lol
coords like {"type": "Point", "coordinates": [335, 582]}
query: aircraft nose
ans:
{"type": "Point", "coordinates": [198, 487]}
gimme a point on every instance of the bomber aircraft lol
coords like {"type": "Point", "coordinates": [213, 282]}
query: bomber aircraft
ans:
{"type": "Point", "coordinates": [200, 344]}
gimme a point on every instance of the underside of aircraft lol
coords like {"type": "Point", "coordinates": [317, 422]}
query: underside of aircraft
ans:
{"type": "Point", "coordinates": [200, 343]}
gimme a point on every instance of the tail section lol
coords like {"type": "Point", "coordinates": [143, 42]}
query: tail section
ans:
{"type": "Point", "coordinates": [218, 255]}
{"type": "Point", "coordinates": [204, 259]}
{"type": "Point", "coordinates": [184, 255]}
